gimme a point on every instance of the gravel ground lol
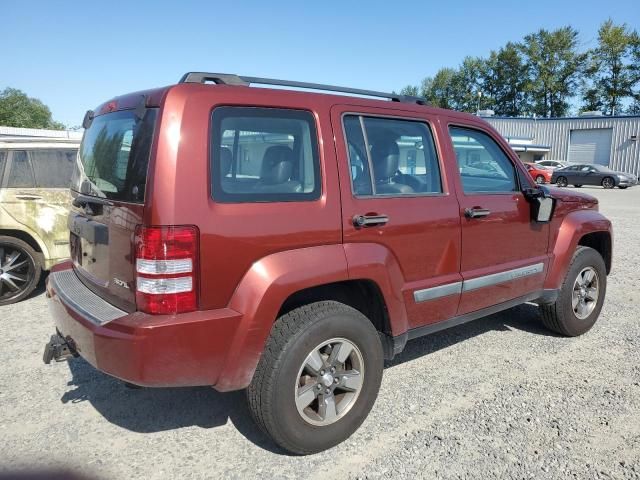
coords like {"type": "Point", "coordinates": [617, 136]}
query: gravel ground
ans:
{"type": "Point", "coordinates": [498, 398]}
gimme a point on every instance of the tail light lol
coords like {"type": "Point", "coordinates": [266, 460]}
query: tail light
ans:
{"type": "Point", "coordinates": [166, 269]}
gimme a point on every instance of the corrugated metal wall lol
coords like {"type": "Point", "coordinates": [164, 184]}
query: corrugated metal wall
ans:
{"type": "Point", "coordinates": [555, 132]}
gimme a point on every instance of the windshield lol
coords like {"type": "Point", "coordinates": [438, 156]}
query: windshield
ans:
{"type": "Point", "coordinates": [114, 154]}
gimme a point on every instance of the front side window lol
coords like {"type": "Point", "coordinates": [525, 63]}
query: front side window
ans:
{"type": "Point", "coordinates": [483, 166]}
{"type": "Point", "coordinates": [390, 156]}
{"type": "Point", "coordinates": [264, 155]}
{"type": "Point", "coordinates": [20, 173]}
{"type": "Point", "coordinates": [53, 168]}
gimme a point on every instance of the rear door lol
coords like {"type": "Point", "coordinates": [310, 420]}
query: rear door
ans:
{"type": "Point", "coordinates": [394, 195]}
{"type": "Point", "coordinates": [52, 170]}
{"type": "Point", "coordinates": [574, 175]}
{"type": "Point", "coordinates": [30, 204]}
{"type": "Point", "coordinates": [108, 187]}
{"type": "Point", "coordinates": [504, 253]}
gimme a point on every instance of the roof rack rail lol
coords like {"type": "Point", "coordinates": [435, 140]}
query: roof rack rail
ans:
{"type": "Point", "coordinates": [232, 79]}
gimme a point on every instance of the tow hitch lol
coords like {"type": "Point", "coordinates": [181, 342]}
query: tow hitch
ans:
{"type": "Point", "coordinates": [58, 349]}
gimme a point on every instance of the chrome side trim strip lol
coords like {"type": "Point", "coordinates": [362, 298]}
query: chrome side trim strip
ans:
{"type": "Point", "coordinates": [432, 293]}
{"type": "Point", "coordinates": [437, 292]}
{"type": "Point", "coordinates": [502, 277]}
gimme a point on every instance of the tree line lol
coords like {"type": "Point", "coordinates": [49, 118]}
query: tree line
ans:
{"type": "Point", "coordinates": [542, 74]}
{"type": "Point", "coordinates": [17, 109]}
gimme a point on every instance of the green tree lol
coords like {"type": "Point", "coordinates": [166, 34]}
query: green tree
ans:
{"type": "Point", "coordinates": [634, 108]}
{"type": "Point", "coordinates": [554, 66]}
{"type": "Point", "coordinates": [439, 90]}
{"type": "Point", "coordinates": [410, 90]}
{"type": "Point", "coordinates": [506, 82]}
{"type": "Point", "coordinates": [466, 92]}
{"type": "Point", "coordinates": [19, 110]}
{"type": "Point", "coordinates": [613, 69]}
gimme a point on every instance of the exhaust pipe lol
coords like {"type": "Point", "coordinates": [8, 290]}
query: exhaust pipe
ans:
{"type": "Point", "coordinates": [58, 349]}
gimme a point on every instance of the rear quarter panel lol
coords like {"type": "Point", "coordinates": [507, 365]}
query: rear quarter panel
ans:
{"type": "Point", "coordinates": [234, 235]}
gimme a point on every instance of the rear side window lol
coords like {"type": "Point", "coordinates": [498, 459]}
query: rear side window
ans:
{"type": "Point", "coordinates": [20, 173]}
{"type": "Point", "coordinates": [483, 166]}
{"type": "Point", "coordinates": [390, 156]}
{"type": "Point", "coordinates": [114, 156]}
{"type": "Point", "coordinates": [53, 168]}
{"type": "Point", "coordinates": [264, 155]}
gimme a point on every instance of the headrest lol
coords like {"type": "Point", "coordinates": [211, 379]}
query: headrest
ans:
{"type": "Point", "coordinates": [385, 156]}
{"type": "Point", "coordinates": [225, 161]}
{"type": "Point", "coordinates": [277, 165]}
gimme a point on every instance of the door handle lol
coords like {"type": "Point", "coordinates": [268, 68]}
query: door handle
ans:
{"type": "Point", "coordinates": [476, 212]}
{"type": "Point", "coordinates": [28, 196]}
{"type": "Point", "coordinates": [369, 220]}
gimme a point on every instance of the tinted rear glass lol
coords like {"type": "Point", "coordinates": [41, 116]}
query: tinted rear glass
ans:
{"type": "Point", "coordinates": [53, 168]}
{"type": "Point", "coordinates": [114, 156]}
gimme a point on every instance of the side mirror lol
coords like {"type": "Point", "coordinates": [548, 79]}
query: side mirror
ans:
{"type": "Point", "coordinates": [542, 203]}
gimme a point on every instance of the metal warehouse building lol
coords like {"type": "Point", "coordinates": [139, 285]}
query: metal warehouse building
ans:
{"type": "Point", "coordinates": [39, 132]}
{"type": "Point", "coordinates": [611, 141]}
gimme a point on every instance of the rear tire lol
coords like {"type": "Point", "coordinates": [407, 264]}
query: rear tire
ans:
{"type": "Point", "coordinates": [20, 267]}
{"type": "Point", "coordinates": [562, 181]}
{"type": "Point", "coordinates": [301, 340]}
{"type": "Point", "coordinates": [608, 182]}
{"type": "Point", "coordinates": [586, 282]}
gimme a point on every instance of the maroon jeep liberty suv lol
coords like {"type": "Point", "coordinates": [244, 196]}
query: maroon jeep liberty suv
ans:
{"type": "Point", "coordinates": [288, 242]}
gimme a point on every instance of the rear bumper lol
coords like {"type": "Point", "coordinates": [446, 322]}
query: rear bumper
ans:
{"type": "Point", "coordinates": [149, 350]}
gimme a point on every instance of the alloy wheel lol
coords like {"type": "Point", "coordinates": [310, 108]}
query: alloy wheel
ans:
{"type": "Point", "coordinates": [329, 381]}
{"type": "Point", "coordinates": [562, 182]}
{"type": "Point", "coordinates": [585, 293]}
{"type": "Point", "coordinates": [16, 271]}
{"type": "Point", "coordinates": [539, 179]}
{"type": "Point", "coordinates": [607, 182]}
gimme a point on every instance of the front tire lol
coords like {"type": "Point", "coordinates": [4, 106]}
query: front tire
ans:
{"type": "Point", "coordinates": [581, 296]}
{"type": "Point", "coordinates": [318, 377]}
{"type": "Point", "coordinates": [578, 186]}
{"type": "Point", "coordinates": [540, 180]}
{"type": "Point", "coordinates": [20, 270]}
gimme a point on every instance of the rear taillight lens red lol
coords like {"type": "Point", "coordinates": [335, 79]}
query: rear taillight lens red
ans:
{"type": "Point", "coordinates": [166, 269]}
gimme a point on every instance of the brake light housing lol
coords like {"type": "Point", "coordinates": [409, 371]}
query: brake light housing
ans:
{"type": "Point", "coordinates": [166, 263]}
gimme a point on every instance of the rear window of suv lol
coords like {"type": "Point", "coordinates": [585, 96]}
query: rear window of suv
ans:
{"type": "Point", "coordinates": [114, 155]}
{"type": "Point", "coordinates": [264, 155]}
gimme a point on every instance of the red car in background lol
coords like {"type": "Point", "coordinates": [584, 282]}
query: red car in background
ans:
{"type": "Point", "coordinates": [538, 173]}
